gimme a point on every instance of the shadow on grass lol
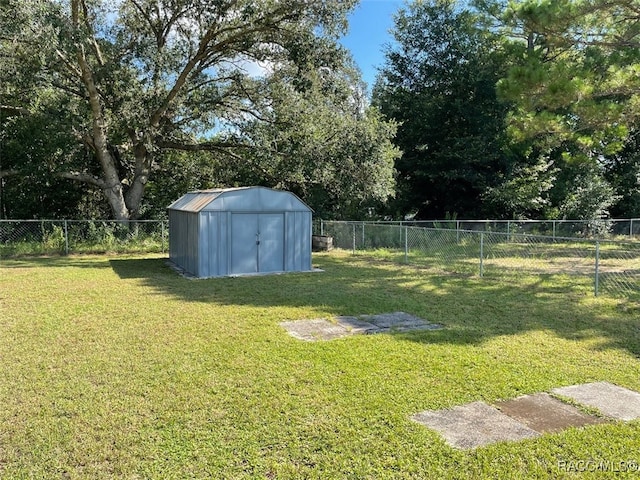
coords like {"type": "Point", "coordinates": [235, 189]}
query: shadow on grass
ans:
{"type": "Point", "coordinates": [140, 268]}
{"type": "Point", "coordinates": [472, 309]}
{"type": "Point", "coordinates": [53, 261]}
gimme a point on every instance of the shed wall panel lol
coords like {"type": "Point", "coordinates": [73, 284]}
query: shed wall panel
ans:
{"type": "Point", "coordinates": [236, 231]}
{"type": "Point", "coordinates": [183, 240]}
{"type": "Point", "coordinates": [271, 246]}
{"type": "Point", "coordinates": [213, 253]}
{"type": "Point", "coordinates": [244, 249]}
{"type": "Point", "coordinates": [298, 241]}
{"type": "Point", "coordinates": [192, 244]}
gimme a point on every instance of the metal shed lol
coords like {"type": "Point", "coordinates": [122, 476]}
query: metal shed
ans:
{"type": "Point", "coordinates": [236, 231]}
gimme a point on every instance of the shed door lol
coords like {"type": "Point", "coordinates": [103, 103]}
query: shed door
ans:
{"type": "Point", "coordinates": [257, 242]}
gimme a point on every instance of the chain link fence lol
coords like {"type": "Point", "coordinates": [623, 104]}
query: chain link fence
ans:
{"type": "Point", "coordinates": [596, 265]}
{"type": "Point", "coordinates": [50, 237]}
{"type": "Point", "coordinates": [604, 229]}
{"type": "Point", "coordinates": [600, 265]}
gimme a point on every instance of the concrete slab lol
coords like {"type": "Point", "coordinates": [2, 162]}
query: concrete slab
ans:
{"type": "Point", "coordinates": [314, 330]}
{"type": "Point", "coordinates": [474, 425]}
{"type": "Point", "coordinates": [543, 413]}
{"type": "Point", "coordinates": [394, 319]}
{"type": "Point", "coordinates": [356, 326]}
{"type": "Point", "coordinates": [613, 401]}
{"type": "Point", "coordinates": [323, 329]}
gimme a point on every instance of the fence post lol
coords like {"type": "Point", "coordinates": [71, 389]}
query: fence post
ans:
{"type": "Point", "coordinates": [162, 234]}
{"type": "Point", "coordinates": [597, 273]}
{"type": "Point", "coordinates": [406, 244]}
{"type": "Point", "coordinates": [354, 238]}
{"type": "Point", "coordinates": [458, 232]}
{"type": "Point", "coordinates": [362, 234]}
{"type": "Point", "coordinates": [321, 227]}
{"type": "Point", "coordinates": [482, 254]}
{"type": "Point", "coordinates": [631, 229]}
{"type": "Point", "coordinates": [66, 238]}
{"type": "Point", "coordinates": [554, 229]}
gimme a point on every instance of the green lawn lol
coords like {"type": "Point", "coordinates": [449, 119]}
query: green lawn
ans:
{"type": "Point", "coordinates": [115, 367]}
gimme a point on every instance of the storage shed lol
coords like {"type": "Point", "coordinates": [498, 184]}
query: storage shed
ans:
{"type": "Point", "coordinates": [236, 231]}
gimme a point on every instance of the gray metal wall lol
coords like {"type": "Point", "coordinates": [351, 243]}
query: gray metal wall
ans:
{"type": "Point", "coordinates": [184, 240]}
{"type": "Point", "coordinates": [298, 229]}
{"type": "Point", "coordinates": [227, 243]}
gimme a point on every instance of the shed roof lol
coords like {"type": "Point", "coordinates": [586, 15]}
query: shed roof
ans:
{"type": "Point", "coordinates": [239, 199]}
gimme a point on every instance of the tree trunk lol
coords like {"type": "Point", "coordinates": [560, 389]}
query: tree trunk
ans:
{"type": "Point", "coordinates": [112, 185]}
{"type": "Point", "coordinates": [135, 193]}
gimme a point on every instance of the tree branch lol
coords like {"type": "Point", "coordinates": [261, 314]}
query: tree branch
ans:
{"type": "Point", "coordinates": [8, 173]}
{"type": "Point", "coordinates": [201, 147]}
{"type": "Point", "coordinates": [70, 66]}
{"type": "Point", "coordinates": [83, 177]}
{"type": "Point", "coordinates": [12, 111]}
{"type": "Point", "coordinates": [236, 34]}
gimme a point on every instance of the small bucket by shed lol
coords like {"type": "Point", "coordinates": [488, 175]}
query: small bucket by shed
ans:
{"type": "Point", "coordinates": [238, 231]}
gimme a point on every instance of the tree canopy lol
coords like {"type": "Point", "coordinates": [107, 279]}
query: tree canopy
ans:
{"type": "Point", "coordinates": [126, 82]}
{"type": "Point", "coordinates": [575, 89]}
{"type": "Point", "coordinates": [516, 109]}
{"type": "Point", "coordinates": [488, 108]}
{"type": "Point", "coordinates": [438, 83]}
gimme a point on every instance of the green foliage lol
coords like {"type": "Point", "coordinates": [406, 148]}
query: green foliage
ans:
{"type": "Point", "coordinates": [524, 190]}
{"type": "Point", "coordinates": [623, 174]}
{"type": "Point", "coordinates": [321, 141]}
{"type": "Point", "coordinates": [125, 83]}
{"type": "Point", "coordinates": [574, 87]}
{"type": "Point", "coordinates": [589, 195]}
{"type": "Point", "coordinates": [438, 83]}
{"type": "Point", "coordinates": [31, 146]}
{"type": "Point", "coordinates": [181, 172]}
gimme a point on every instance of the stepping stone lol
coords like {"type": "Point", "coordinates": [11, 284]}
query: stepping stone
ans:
{"type": "Point", "coordinates": [356, 326]}
{"type": "Point", "coordinates": [398, 322]}
{"type": "Point", "coordinates": [543, 413]}
{"type": "Point", "coordinates": [474, 425]}
{"type": "Point", "coordinates": [393, 320]}
{"type": "Point", "coordinates": [611, 400]}
{"type": "Point", "coordinates": [323, 329]}
{"type": "Point", "coordinates": [313, 330]}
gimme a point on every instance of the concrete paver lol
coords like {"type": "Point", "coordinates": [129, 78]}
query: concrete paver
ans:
{"type": "Point", "coordinates": [474, 425]}
{"type": "Point", "coordinates": [343, 326]}
{"type": "Point", "coordinates": [314, 330]}
{"type": "Point", "coordinates": [356, 326]}
{"type": "Point", "coordinates": [543, 413]}
{"type": "Point", "coordinates": [613, 401]}
{"type": "Point", "coordinates": [393, 320]}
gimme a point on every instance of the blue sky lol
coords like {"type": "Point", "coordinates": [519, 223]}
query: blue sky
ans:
{"type": "Point", "coordinates": [369, 26]}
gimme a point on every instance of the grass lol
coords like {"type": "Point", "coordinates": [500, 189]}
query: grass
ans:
{"type": "Point", "coordinates": [115, 367]}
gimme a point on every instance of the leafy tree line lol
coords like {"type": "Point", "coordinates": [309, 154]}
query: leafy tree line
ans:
{"type": "Point", "coordinates": [515, 109]}
{"type": "Point", "coordinates": [491, 108]}
{"type": "Point", "coordinates": [116, 108]}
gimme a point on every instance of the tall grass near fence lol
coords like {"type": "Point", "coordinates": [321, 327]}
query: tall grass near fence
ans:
{"type": "Point", "coordinates": [51, 237]}
{"type": "Point", "coordinates": [594, 265]}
